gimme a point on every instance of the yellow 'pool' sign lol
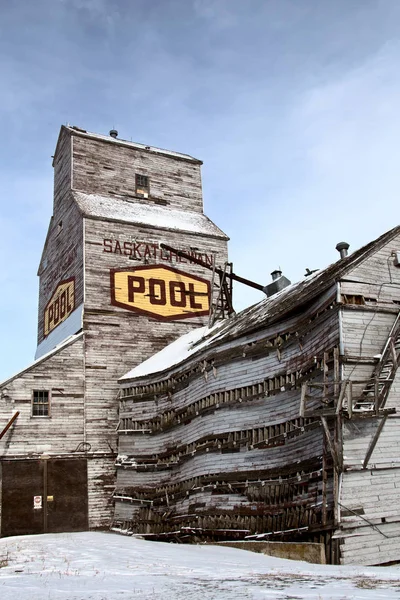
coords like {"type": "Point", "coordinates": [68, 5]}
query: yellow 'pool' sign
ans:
{"type": "Point", "coordinates": [60, 305]}
{"type": "Point", "coordinates": [161, 292]}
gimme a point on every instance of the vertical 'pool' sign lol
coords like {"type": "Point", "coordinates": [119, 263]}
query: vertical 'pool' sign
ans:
{"type": "Point", "coordinates": [60, 305]}
{"type": "Point", "coordinates": [160, 292]}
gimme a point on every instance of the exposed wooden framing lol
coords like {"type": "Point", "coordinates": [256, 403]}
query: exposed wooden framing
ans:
{"type": "Point", "coordinates": [341, 397]}
{"type": "Point", "coordinates": [10, 422]}
{"type": "Point", "coordinates": [374, 441]}
{"type": "Point", "coordinates": [303, 399]}
{"type": "Point", "coordinates": [350, 398]}
{"type": "Point", "coordinates": [324, 490]}
{"type": "Point", "coordinates": [336, 371]}
{"type": "Point", "coordinates": [376, 394]}
{"type": "Point", "coordinates": [332, 449]}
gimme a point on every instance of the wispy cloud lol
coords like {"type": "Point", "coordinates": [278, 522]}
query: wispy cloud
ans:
{"type": "Point", "coordinates": [292, 105]}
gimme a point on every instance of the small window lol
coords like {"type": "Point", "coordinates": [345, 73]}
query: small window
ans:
{"type": "Point", "coordinates": [142, 185]}
{"type": "Point", "coordinates": [41, 403]}
{"type": "Point", "coordinates": [59, 227]}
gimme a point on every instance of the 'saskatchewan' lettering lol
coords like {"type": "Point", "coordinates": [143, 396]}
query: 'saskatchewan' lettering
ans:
{"type": "Point", "coordinates": [161, 292]}
{"type": "Point", "coordinates": [151, 251]}
{"type": "Point", "coordinates": [60, 305]}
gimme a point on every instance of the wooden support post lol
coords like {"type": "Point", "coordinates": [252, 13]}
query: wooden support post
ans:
{"type": "Point", "coordinates": [324, 482]}
{"type": "Point", "coordinates": [336, 371]}
{"type": "Point", "coordinates": [328, 439]}
{"type": "Point", "coordinates": [393, 352]}
{"type": "Point", "coordinates": [374, 442]}
{"type": "Point", "coordinates": [376, 394]}
{"type": "Point", "coordinates": [343, 386]}
{"type": "Point", "coordinates": [325, 389]}
{"type": "Point", "coordinates": [10, 422]}
{"type": "Point", "coordinates": [350, 398]}
{"type": "Point", "coordinates": [303, 399]}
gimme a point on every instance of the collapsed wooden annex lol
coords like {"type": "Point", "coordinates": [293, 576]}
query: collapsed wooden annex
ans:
{"type": "Point", "coordinates": [279, 423]}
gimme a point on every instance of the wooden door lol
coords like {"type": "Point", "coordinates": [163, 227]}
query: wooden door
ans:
{"type": "Point", "coordinates": [40, 496]}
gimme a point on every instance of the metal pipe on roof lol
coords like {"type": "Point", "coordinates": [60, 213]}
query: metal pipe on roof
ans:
{"type": "Point", "coordinates": [218, 270]}
{"type": "Point", "coordinates": [342, 247]}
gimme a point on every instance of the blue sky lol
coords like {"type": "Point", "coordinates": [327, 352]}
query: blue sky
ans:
{"type": "Point", "coordinates": [293, 105]}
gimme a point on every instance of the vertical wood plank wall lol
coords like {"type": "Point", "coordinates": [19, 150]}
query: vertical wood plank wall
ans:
{"type": "Point", "coordinates": [369, 500]}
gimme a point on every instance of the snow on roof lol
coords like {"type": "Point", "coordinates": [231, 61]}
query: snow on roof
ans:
{"type": "Point", "coordinates": [129, 211]}
{"type": "Point", "coordinates": [70, 340]}
{"type": "Point", "coordinates": [267, 311]}
{"type": "Point", "coordinates": [120, 142]}
{"type": "Point", "coordinates": [171, 355]}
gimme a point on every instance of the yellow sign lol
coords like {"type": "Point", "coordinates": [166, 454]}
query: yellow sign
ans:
{"type": "Point", "coordinates": [60, 305]}
{"type": "Point", "coordinates": [161, 292]}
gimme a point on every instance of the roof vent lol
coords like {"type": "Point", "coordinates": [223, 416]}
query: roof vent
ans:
{"type": "Point", "coordinates": [276, 274]}
{"type": "Point", "coordinates": [279, 282]}
{"type": "Point", "coordinates": [114, 133]}
{"type": "Point", "coordinates": [342, 247]}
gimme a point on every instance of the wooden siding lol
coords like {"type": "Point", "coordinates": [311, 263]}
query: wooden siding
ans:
{"type": "Point", "coordinates": [83, 376]}
{"type": "Point", "coordinates": [62, 258]}
{"type": "Point", "coordinates": [63, 430]}
{"type": "Point", "coordinates": [110, 169]}
{"type": "Point", "coordinates": [62, 164]}
{"type": "Point", "coordinates": [118, 339]}
{"type": "Point", "coordinates": [368, 505]}
{"type": "Point", "coordinates": [217, 443]}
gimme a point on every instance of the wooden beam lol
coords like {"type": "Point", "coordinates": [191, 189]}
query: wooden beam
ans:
{"type": "Point", "coordinates": [328, 439]}
{"type": "Point", "coordinates": [10, 422]}
{"type": "Point", "coordinates": [393, 352]}
{"type": "Point", "coordinates": [374, 442]}
{"type": "Point", "coordinates": [350, 399]}
{"type": "Point", "coordinates": [336, 371]}
{"type": "Point", "coordinates": [341, 396]}
{"type": "Point", "coordinates": [376, 394]}
{"type": "Point", "coordinates": [303, 399]}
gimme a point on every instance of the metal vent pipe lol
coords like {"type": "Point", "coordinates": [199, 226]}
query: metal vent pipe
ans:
{"type": "Point", "coordinates": [342, 247]}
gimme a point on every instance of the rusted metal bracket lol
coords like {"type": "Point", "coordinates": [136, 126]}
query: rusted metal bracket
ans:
{"type": "Point", "coordinates": [10, 422]}
{"type": "Point", "coordinates": [374, 441]}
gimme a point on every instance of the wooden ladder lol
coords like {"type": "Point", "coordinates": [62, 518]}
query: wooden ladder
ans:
{"type": "Point", "coordinates": [377, 390]}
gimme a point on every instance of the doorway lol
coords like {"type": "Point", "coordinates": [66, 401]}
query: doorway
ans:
{"type": "Point", "coordinates": [44, 496]}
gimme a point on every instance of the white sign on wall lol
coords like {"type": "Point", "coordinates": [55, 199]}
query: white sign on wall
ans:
{"type": "Point", "coordinates": [37, 502]}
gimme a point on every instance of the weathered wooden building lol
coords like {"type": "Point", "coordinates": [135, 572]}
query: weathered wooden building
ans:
{"type": "Point", "coordinates": [279, 423]}
{"type": "Point", "coordinates": [109, 297]}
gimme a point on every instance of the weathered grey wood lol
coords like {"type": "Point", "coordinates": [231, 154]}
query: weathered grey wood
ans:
{"type": "Point", "coordinates": [374, 441]}
{"type": "Point", "coordinates": [82, 376]}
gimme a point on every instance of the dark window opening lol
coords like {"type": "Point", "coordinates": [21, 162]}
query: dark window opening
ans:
{"type": "Point", "coordinates": [142, 185]}
{"type": "Point", "coordinates": [41, 403]}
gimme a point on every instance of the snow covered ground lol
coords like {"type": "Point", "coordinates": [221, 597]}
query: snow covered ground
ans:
{"type": "Point", "coordinates": [106, 566]}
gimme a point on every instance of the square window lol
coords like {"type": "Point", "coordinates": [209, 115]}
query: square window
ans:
{"type": "Point", "coordinates": [41, 403]}
{"type": "Point", "coordinates": [142, 185]}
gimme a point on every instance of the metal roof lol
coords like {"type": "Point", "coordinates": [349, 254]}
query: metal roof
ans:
{"type": "Point", "coordinates": [120, 142]}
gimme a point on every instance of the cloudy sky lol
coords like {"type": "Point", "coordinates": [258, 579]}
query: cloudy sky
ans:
{"type": "Point", "coordinates": [293, 105]}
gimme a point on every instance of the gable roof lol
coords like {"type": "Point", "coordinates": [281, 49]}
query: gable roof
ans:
{"type": "Point", "coordinates": [142, 213]}
{"type": "Point", "coordinates": [270, 310]}
{"type": "Point", "coordinates": [69, 340]}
